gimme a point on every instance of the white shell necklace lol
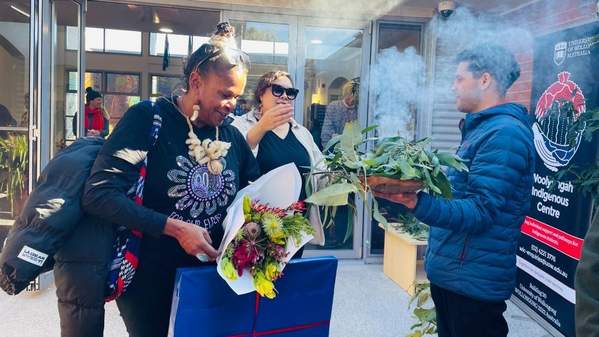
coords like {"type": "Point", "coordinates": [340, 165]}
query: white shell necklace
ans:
{"type": "Point", "coordinates": [209, 152]}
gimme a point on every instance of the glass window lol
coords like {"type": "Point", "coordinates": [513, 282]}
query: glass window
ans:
{"type": "Point", "coordinates": [333, 64]}
{"type": "Point", "coordinates": [93, 80]}
{"type": "Point", "coordinates": [399, 36]}
{"type": "Point", "coordinates": [122, 83]}
{"type": "Point", "coordinates": [65, 75]}
{"type": "Point", "coordinates": [94, 39]}
{"type": "Point", "coordinates": [117, 105]}
{"type": "Point", "coordinates": [123, 41]}
{"type": "Point", "coordinates": [73, 80]}
{"type": "Point", "coordinates": [71, 104]}
{"type": "Point", "coordinates": [332, 69]}
{"type": "Point", "coordinates": [164, 85]}
{"type": "Point", "coordinates": [267, 46]}
{"type": "Point", "coordinates": [72, 38]}
{"type": "Point", "coordinates": [14, 110]}
{"type": "Point", "coordinates": [198, 41]}
{"type": "Point", "coordinates": [266, 43]}
{"type": "Point", "coordinates": [178, 45]}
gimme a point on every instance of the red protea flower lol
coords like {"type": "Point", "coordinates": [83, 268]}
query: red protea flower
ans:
{"type": "Point", "coordinates": [299, 206]}
{"type": "Point", "coordinates": [263, 208]}
{"type": "Point", "coordinates": [246, 254]}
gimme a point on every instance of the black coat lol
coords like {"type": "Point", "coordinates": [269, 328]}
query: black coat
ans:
{"type": "Point", "coordinates": [49, 217]}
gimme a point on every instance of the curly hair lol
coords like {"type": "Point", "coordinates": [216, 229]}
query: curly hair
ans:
{"type": "Point", "coordinates": [499, 62]}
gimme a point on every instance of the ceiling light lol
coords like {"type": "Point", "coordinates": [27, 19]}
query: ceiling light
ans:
{"type": "Point", "coordinates": [20, 10]}
{"type": "Point", "coordinates": [165, 30]}
{"type": "Point", "coordinates": [316, 41]}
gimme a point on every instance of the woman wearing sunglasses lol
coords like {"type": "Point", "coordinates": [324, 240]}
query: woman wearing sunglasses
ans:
{"type": "Point", "coordinates": [277, 139]}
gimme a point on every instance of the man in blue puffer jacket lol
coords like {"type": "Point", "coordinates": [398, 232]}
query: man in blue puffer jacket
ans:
{"type": "Point", "coordinates": [471, 257]}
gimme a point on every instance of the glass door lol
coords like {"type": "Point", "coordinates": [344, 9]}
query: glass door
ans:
{"type": "Point", "coordinates": [325, 59]}
{"type": "Point", "coordinates": [15, 97]}
{"type": "Point", "coordinates": [269, 40]}
{"type": "Point", "coordinates": [332, 67]}
{"type": "Point", "coordinates": [400, 36]}
{"type": "Point", "coordinates": [65, 77]}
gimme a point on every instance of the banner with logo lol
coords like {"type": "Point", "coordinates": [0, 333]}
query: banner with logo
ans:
{"type": "Point", "coordinates": [565, 70]}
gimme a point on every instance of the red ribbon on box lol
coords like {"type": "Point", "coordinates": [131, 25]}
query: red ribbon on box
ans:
{"type": "Point", "coordinates": [255, 333]}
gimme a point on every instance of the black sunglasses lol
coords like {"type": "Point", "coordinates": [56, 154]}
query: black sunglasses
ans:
{"type": "Point", "coordinates": [278, 91]}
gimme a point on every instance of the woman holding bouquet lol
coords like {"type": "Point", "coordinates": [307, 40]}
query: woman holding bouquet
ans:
{"type": "Point", "coordinates": [277, 139]}
{"type": "Point", "coordinates": [194, 170]}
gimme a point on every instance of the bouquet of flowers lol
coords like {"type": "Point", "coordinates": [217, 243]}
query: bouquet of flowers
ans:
{"type": "Point", "coordinates": [260, 245]}
{"type": "Point", "coordinates": [264, 227]}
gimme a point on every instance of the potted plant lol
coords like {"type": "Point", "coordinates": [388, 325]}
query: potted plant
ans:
{"type": "Point", "coordinates": [14, 165]}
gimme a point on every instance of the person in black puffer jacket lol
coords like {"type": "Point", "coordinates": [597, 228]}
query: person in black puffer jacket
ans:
{"type": "Point", "coordinates": [49, 217]}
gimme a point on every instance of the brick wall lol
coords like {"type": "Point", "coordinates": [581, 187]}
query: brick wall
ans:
{"type": "Point", "coordinates": [543, 17]}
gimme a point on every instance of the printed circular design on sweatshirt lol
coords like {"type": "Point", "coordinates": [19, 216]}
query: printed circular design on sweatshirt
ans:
{"type": "Point", "coordinates": [199, 191]}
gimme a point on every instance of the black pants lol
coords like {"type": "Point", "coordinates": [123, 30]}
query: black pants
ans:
{"type": "Point", "coordinates": [80, 292]}
{"type": "Point", "coordinates": [146, 305]}
{"type": "Point", "coordinates": [462, 316]}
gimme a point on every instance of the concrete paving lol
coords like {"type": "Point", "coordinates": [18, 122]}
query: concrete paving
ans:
{"type": "Point", "coordinates": [367, 304]}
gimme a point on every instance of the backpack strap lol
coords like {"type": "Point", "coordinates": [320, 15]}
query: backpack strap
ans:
{"type": "Point", "coordinates": [128, 242]}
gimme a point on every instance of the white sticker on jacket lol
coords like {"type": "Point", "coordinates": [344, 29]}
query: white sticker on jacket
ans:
{"type": "Point", "coordinates": [32, 256]}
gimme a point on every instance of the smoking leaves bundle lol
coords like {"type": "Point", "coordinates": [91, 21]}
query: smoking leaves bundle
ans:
{"type": "Point", "coordinates": [393, 165]}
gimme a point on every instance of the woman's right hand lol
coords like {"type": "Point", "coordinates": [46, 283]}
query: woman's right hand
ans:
{"type": "Point", "coordinates": [193, 239]}
{"type": "Point", "coordinates": [276, 116]}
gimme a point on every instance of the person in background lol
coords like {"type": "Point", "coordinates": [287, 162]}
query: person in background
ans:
{"type": "Point", "coordinates": [471, 255]}
{"type": "Point", "coordinates": [340, 112]}
{"type": "Point", "coordinates": [96, 117]}
{"type": "Point", "coordinates": [277, 139]}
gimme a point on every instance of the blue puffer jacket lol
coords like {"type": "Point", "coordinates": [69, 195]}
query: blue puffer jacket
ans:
{"type": "Point", "coordinates": [474, 236]}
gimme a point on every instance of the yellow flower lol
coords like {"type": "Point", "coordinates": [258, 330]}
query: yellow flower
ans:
{"type": "Point", "coordinates": [247, 208]}
{"type": "Point", "coordinates": [272, 271]}
{"type": "Point", "coordinates": [264, 287]}
{"type": "Point", "coordinates": [228, 269]}
{"type": "Point", "coordinates": [273, 226]}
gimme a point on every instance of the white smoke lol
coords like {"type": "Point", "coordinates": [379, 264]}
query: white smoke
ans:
{"type": "Point", "coordinates": [400, 82]}
{"type": "Point", "coordinates": [465, 29]}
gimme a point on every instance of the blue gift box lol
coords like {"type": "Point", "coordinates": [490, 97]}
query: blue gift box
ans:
{"type": "Point", "coordinates": [205, 306]}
